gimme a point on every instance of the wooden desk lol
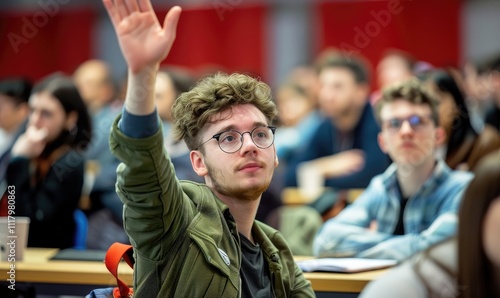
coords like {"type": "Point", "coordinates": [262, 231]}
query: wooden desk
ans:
{"type": "Point", "coordinates": [339, 282]}
{"type": "Point", "coordinates": [293, 195]}
{"type": "Point", "coordinates": [37, 268]}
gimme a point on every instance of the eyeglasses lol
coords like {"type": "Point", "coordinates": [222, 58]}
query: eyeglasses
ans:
{"type": "Point", "coordinates": [231, 141]}
{"type": "Point", "coordinates": [416, 123]}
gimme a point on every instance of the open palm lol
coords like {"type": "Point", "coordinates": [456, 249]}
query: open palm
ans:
{"type": "Point", "coordinates": [144, 42]}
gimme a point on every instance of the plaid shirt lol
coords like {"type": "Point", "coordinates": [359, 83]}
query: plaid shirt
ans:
{"type": "Point", "coordinates": [430, 216]}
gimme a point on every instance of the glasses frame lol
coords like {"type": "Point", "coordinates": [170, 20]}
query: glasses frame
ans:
{"type": "Point", "coordinates": [414, 127]}
{"type": "Point", "coordinates": [217, 136]}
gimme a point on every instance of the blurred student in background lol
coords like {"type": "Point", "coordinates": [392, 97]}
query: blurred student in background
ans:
{"type": "Point", "coordinates": [394, 67]}
{"type": "Point", "coordinates": [414, 202]}
{"type": "Point", "coordinates": [14, 110]}
{"type": "Point", "coordinates": [170, 83]}
{"type": "Point", "coordinates": [493, 114]}
{"type": "Point", "coordinates": [101, 203]}
{"type": "Point", "coordinates": [47, 163]}
{"type": "Point", "coordinates": [464, 146]}
{"type": "Point", "coordinates": [94, 81]}
{"type": "Point", "coordinates": [299, 119]}
{"type": "Point", "coordinates": [343, 151]}
{"type": "Point", "coordinates": [467, 266]}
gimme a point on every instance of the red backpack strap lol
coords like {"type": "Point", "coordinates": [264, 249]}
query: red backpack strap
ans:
{"type": "Point", "coordinates": [116, 252]}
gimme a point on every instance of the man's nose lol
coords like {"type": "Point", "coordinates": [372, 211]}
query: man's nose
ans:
{"type": "Point", "coordinates": [406, 127]}
{"type": "Point", "coordinates": [247, 143]}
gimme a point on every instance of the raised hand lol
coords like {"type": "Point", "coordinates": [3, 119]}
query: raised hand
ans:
{"type": "Point", "coordinates": [340, 164]}
{"type": "Point", "coordinates": [143, 40]}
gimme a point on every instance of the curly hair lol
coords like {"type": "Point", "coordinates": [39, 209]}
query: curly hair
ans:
{"type": "Point", "coordinates": [412, 91]}
{"type": "Point", "coordinates": [211, 96]}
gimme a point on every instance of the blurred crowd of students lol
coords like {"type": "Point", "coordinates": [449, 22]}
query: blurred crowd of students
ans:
{"type": "Point", "coordinates": [54, 148]}
{"type": "Point", "coordinates": [54, 144]}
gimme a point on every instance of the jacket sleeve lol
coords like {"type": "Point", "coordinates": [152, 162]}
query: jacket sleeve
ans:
{"type": "Point", "coordinates": [302, 285]}
{"type": "Point", "coordinates": [375, 163]}
{"type": "Point", "coordinates": [156, 211]}
{"type": "Point", "coordinates": [365, 139]}
{"type": "Point", "coordinates": [320, 144]}
{"type": "Point", "coordinates": [404, 246]}
{"type": "Point", "coordinates": [347, 233]}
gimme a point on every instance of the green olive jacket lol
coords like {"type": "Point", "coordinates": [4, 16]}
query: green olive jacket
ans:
{"type": "Point", "coordinates": [186, 242]}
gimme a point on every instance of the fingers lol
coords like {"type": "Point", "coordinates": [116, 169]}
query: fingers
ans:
{"type": "Point", "coordinates": [36, 135]}
{"type": "Point", "coordinates": [145, 5]}
{"type": "Point", "coordinates": [122, 9]}
{"type": "Point", "coordinates": [171, 20]}
{"type": "Point", "coordinates": [133, 6]}
{"type": "Point", "coordinates": [112, 12]}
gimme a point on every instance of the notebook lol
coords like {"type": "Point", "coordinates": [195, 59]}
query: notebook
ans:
{"type": "Point", "coordinates": [345, 265]}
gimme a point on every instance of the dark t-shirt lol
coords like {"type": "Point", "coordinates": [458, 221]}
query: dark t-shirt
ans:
{"type": "Point", "coordinates": [400, 228]}
{"type": "Point", "coordinates": [255, 279]}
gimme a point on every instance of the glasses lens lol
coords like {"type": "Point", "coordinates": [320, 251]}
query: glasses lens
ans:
{"type": "Point", "coordinates": [263, 137]}
{"type": "Point", "coordinates": [395, 124]}
{"type": "Point", "coordinates": [415, 121]}
{"type": "Point", "coordinates": [230, 141]}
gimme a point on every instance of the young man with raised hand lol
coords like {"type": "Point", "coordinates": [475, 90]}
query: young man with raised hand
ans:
{"type": "Point", "coordinates": [190, 239]}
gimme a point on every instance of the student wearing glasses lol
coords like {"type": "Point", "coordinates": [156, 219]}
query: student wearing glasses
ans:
{"type": "Point", "coordinates": [197, 239]}
{"type": "Point", "coordinates": [414, 203]}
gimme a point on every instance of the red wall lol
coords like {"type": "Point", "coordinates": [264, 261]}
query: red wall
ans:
{"type": "Point", "coordinates": [35, 43]}
{"type": "Point", "coordinates": [234, 42]}
{"type": "Point", "coordinates": [233, 38]}
{"type": "Point", "coordinates": [428, 29]}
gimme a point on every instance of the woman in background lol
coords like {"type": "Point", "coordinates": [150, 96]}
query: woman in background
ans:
{"type": "Point", "coordinates": [47, 165]}
{"type": "Point", "coordinates": [464, 145]}
{"type": "Point", "coordinates": [467, 266]}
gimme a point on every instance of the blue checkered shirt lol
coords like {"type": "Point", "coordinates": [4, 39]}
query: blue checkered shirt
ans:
{"type": "Point", "coordinates": [430, 215]}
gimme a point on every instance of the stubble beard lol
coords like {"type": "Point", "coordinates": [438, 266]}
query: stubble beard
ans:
{"type": "Point", "coordinates": [234, 190]}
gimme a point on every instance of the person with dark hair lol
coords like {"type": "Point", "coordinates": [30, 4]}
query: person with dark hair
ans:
{"type": "Point", "coordinates": [464, 146]}
{"type": "Point", "coordinates": [343, 150]}
{"type": "Point", "coordinates": [465, 266]}
{"type": "Point", "coordinates": [47, 164]}
{"type": "Point", "coordinates": [493, 114]}
{"type": "Point", "coordinates": [14, 96]}
{"type": "Point", "coordinates": [413, 204]}
{"type": "Point", "coordinates": [196, 239]}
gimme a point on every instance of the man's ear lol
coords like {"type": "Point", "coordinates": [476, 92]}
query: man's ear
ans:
{"type": "Point", "coordinates": [276, 161]}
{"type": "Point", "coordinates": [381, 142]}
{"type": "Point", "coordinates": [440, 135]}
{"type": "Point", "coordinates": [198, 163]}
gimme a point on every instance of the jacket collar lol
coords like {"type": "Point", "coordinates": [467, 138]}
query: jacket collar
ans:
{"type": "Point", "coordinates": [440, 173]}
